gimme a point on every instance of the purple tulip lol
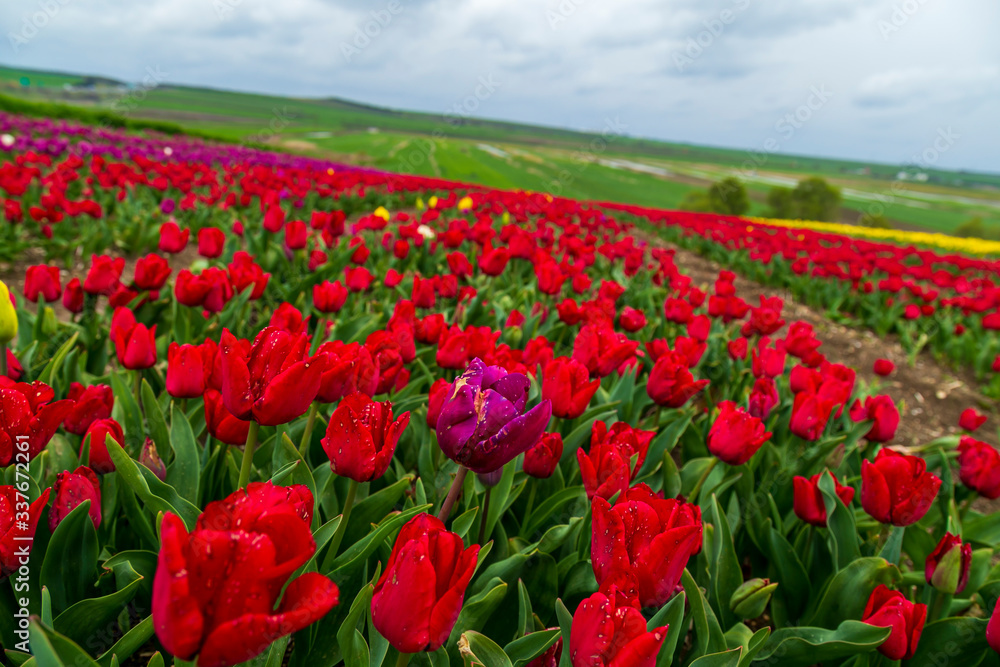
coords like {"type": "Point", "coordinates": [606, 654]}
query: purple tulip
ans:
{"type": "Point", "coordinates": [483, 423]}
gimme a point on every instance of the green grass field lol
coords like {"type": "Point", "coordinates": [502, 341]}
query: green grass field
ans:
{"type": "Point", "coordinates": [513, 155]}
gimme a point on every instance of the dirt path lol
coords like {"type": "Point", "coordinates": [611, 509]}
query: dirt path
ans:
{"type": "Point", "coordinates": [931, 396]}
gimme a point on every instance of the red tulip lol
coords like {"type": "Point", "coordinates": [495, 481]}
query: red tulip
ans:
{"type": "Point", "coordinates": [763, 398]}
{"type": "Point", "coordinates": [361, 437]}
{"type": "Point", "coordinates": [492, 261]}
{"type": "Point", "coordinates": [99, 430]}
{"type": "Point", "coordinates": [736, 435]}
{"type": "Point", "coordinates": [649, 568]}
{"type": "Point", "coordinates": [890, 609]}
{"type": "Point", "coordinates": [358, 279]}
{"type": "Point", "coordinates": [808, 501]}
{"type": "Point", "coordinates": [275, 381]}
{"type": "Point", "coordinates": [349, 368]}
{"type": "Point", "coordinates": [287, 317]}
{"type": "Point", "coordinates": [244, 272]}
{"type": "Point", "coordinates": [601, 349]}
{"type": "Point", "coordinates": [737, 349]}
{"type": "Point", "coordinates": [615, 457]}
{"type": "Point", "coordinates": [605, 634]}
{"type": "Point", "coordinates": [172, 239]}
{"type": "Point", "coordinates": [387, 353]}
{"type": "Point", "coordinates": [883, 367]}
{"type": "Point", "coordinates": [104, 275]}
{"type": "Point", "coordinates": [222, 424]}
{"type": "Point", "coordinates": [566, 382]}
{"type": "Point", "coordinates": [541, 460]}
{"type": "Point", "coordinates": [150, 458]}
{"type": "Point", "coordinates": [896, 488]}
{"type": "Point", "coordinates": [296, 234]}
{"type": "Point", "coordinates": [89, 404]}
{"type": "Point", "coordinates": [215, 588]}
{"type": "Point", "coordinates": [42, 280]}
{"type": "Point", "coordinates": [970, 420]}
{"type": "Point", "coordinates": [765, 320]}
{"type": "Point", "coordinates": [993, 628]}
{"type": "Point", "coordinates": [423, 294]}
{"type": "Point", "coordinates": [801, 341]}
{"type": "Point", "coordinates": [883, 414]}
{"type": "Point", "coordinates": [420, 594]}
{"type": "Point", "coordinates": [670, 382]}
{"type": "Point", "coordinates": [947, 567]}
{"type": "Point", "coordinates": [979, 467]}
{"type": "Point", "coordinates": [16, 535]}
{"type": "Point", "coordinates": [211, 242]}
{"type": "Point", "coordinates": [810, 414]}
{"type": "Point", "coordinates": [151, 272]}
{"type": "Point", "coordinates": [435, 400]}
{"type": "Point", "coordinates": [329, 297]}
{"type": "Point", "coordinates": [135, 345]}
{"type": "Point", "coordinates": [71, 489]}
{"type": "Point", "coordinates": [768, 361]}
{"type": "Point", "coordinates": [188, 369]}
{"type": "Point", "coordinates": [73, 296]}
{"type": "Point", "coordinates": [27, 415]}
{"type": "Point", "coordinates": [550, 278]}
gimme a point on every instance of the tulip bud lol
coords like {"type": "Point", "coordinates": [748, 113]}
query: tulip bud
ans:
{"type": "Point", "coordinates": [8, 316]}
{"type": "Point", "coordinates": [151, 459]}
{"type": "Point", "coordinates": [49, 322]}
{"type": "Point", "coordinates": [947, 568]}
{"type": "Point", "coordinates": [750, 599]}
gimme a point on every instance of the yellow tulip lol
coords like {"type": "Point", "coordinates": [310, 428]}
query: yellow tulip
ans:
{"type": "Point", "coordinates": [381, 212]}
{"type": "Point", "coordinates": [465, 203]}
{"type": "Point", "coordinates": [8, 316]}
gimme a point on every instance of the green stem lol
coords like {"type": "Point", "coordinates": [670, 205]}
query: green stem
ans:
{"type": "Point", "coordinates": [307, 434]}
{"type": "Point", "coordinates": [486, 511]}
{"type": "Point", "coordinates": [403, 660]}
{"type": "Point", "coordinates": [966, 506]}
{"type": "Point", "coordinates": [531, 500]}
{"type": "Point", "coordinates": [3, 359]}
{"type": "Point", "coordinates": [137, 388]}
{"type": "Point", "coordinates": [338, 537]}
{"type": "Point", "coordinates": [701, 481]}
{"type": "Point", "coordinates": [453, 493]}
{"type": "Point", "coordinates": [248, 455]}
{"type": "Point", "coordinates": [939, 606]}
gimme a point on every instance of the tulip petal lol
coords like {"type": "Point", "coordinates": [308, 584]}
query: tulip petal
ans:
{"type": "Point", "coordinates": [177, 617]}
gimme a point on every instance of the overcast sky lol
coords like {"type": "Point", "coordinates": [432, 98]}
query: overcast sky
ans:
{"type": "Point", "coordinates": [868, 79]}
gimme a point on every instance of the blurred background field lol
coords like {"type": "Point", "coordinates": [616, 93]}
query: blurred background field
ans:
{"type": "Point", "coordinates": [608, 166]}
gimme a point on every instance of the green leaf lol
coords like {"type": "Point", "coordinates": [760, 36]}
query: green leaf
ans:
{"type": "Point", "coordinates": [527, 648]}
{"type": "Point", "coordinates": [671, 615]}
{"type": "Point", "coordinates": [724, 565]}
{"type": "Point", "coordinates": [347, 636]}
{"type": "Point", "coordinates": [795, 587]}
{"type": "Point", "coordinates": [53, 650]}
{"type": "Point", "coordinates": [460, 526]}
{"type": "Point", "coordinates": [91, 618]}
{"type": "Point", "coordinates": [55, 364]}
{"type": "Point", "coordinates": [843, 533]}
{"type": "Point", "coordinates": [525, 616]}
{"type": "Point", "coordinates": [802, 647]}
{"type": "Point", "coordinates": [479, 608]}
{"type": "Point", "coordinates": [131, 642]}
{"type": "Point", "coordinates": [70, 562]}
{"type": "Point", "coordinates": [131, 416]}
{"type": "Point", "coordinates": [483, 649]}
{"type": "Point", "coordinates": [360, 550]}
{"type": "Point", "coordinates": [184, 472]}
{"type": "Point", "coordinates": [708, 635]}
{"type": "Point", "coordinates": [498, 500]}
{"type": "Point", "coordinates": [565, 624]}
{"type": "Point", "coordinates": [723, 659]}
{"type": "Point", "coordinates": [983, 529]}
{"type": "Point", "coordinates": [847, 592]}
{"type": "Point", "coordinates": [894, 545]}
{"type": "Point", "coordinates": [156, 422]}
{"type": "Point", "coordinates": [374, 508]}
{"type": "Point", "coordinates": [953, 641]}
{"type": "Point", "coordinates": [664, 443]}
{"type": "Point", "coordinates": [158, 496]}
{"type": "Point", "coordinates": [579, 434]}
{"type": "Point", "coordinates": [550, 506]}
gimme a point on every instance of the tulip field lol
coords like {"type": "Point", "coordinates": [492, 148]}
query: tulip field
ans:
{"type": "Point", "coordinates": [264, 409]}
